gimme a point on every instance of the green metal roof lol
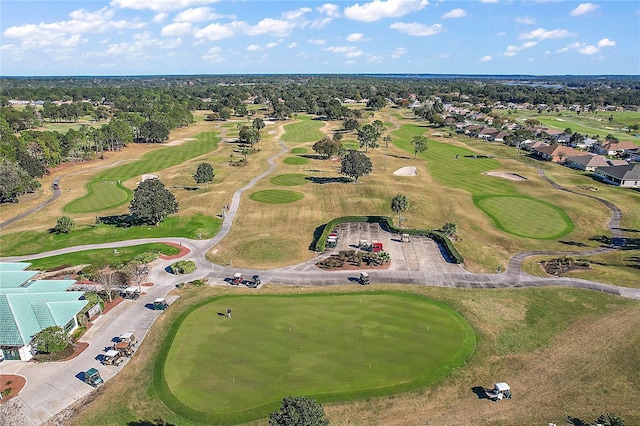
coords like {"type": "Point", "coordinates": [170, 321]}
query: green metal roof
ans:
{"type": "Point", "coordinates": [27, 307]}
{"type": "Point", "coordinates": [21, 266]}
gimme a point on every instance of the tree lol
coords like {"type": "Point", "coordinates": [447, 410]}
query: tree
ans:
{"type": "Point", "coordinates": [14, 181]}
{"type": "Point", "coordinates": [327, 147]}
{"type": "Point", "coordinates": [152, 202]}
{"type": "Point", "coordinates": [350, 124]}
{"type": "Point", "coordinates": [399, 204]}
{"type": "Point", "coordinates": [355, 164]}
{"type": "Point", "coordinates": [64, 225]}
{"type": "Point", "coordinates": [109, 279]}
{"type": "Point", "coordinates": [204, 174]}
{"type": "Point", "coordinates": [51, 340]}
{"type": "Point", "coordinates": [258, 124]}
{"type": "Point", "coordinates": [153, 131]}
{"type": "Point", "coordinates": [419, 145]}
{"type": "Point", "coordinates": [298, 411]}
{"type": "Point", "coordinates": [249, 135]}
{"type": "Point", "coordinates": [450, 229]}
{"type": "Point", "coordinates": [376, 102]}
{"type": "Point", "coordinates": [368, 136]}
{"type": "Point", "coordinates": [609, 419]}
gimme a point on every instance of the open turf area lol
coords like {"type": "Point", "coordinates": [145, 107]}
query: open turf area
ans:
{"type": "Point", "coordinates": [292, 179]}
{"type": "Point", "coordinates": [276, 196]}
{"type": "Point", "coordinates": [333, 347]}
{"type": "Point", "coordinates": [296, 161]}
{"type": "Point", "coordinates": [304, 129]}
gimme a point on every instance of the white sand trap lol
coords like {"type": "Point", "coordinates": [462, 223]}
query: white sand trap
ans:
{"type": "Point", "coordinates": [272, 132]}
{"type": "Point", "coordinates": [147, 177]}
{"type": "Point", "coordinates": [178, 142]}
{"type": "Point", "coordinates": [504, 175]}
{"type": "Point", "coordinates": [406, 171]}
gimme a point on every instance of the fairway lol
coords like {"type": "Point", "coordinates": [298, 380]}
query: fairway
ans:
{"type": "Point", "coordinates": [296, 161]}
{"type": "Point", "coordinates": [334, 347]}
{"type": "Point", "coordinates": [293, 179]}
{"type": "Point", "coordinates": [526, 217]}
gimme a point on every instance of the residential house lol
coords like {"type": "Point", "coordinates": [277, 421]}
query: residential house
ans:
{"type": "Point", "coordinates": [626, 176]}
{"type": "Point", "coordinates": [617, 148]}
{"type": "Point", "coordinates": [28, 306]}
{"type": "Point", "coordinates": [564, 138]}
{"type": "Point", "coordinates": [586, 144]}
{"type": "Point", "coordinates": [555, 153]}
{"type": "Point", "coordinates": [586, 162]}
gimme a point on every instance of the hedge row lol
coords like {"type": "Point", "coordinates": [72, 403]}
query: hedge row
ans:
{"type": "Point", "coordinates": [321, 234]}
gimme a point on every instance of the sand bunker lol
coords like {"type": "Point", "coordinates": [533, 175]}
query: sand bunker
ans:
{"type": "Point", "coordinates": [406, 171]}
{"type": "Point", "coordinates": [178, 141]}
{"type": "Point", "coordinates": [504, 175]}
{"type": "Point", "coordinates": [149, 176]}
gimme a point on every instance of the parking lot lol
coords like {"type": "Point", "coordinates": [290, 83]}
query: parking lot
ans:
{"type": "Point", "coordinates": [420, 254]}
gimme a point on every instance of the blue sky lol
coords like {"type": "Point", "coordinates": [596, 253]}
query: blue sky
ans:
{"type": "Point", "coordinates": [142, 37]}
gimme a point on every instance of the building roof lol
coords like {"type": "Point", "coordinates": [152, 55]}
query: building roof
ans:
{"type": "Point", "coordinates": [5, 266]}
{"type": "Point", "coordinates": [589, 160]}
{"type": "Point", "coordinates": [627, 172]}
{"type": "Point", "coordinates": [29, 306]}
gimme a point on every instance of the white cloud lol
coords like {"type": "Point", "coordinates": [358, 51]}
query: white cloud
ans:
{"type": "Point", "coordinates": [317, 41]}
{"type": "Point", "coordinates": [584, 8]}
{"type": "Point", "coordinates": [219, 31]}
{"type": "Point", "coordinates": [512, 49]}
{"type": "Point", "coordinates": [398, 51]}
{"type": "Point", "coordinates": [85, 15]}
{"type": "Point", "coordinates": [320, 23]}
{"type": "Point", "coordinates": [159, 5]}
{"type": "Point", "coordinates": [292, 15]}
{"type": "Point", "coordinates": [176, 29]}
{"type": "Point", "coordinates": [588, 50]}
{"type": "Point", "coordinates": [416, 29]}
{"type": "Point", "coordinates": [542, 34]}
{"type": "Point", "coordinates": [213, 55]}
{"type": "Point", "coordinates": [329, 9]}
{"type": "Point", "coordinates": [488, 1]}
{"type": "Point", "coordinates": [381, 9]}
{"type": "Point", "coordinates": [270, 26]}
{"type": "Point", "coordinates": [198, 14]}
{"type": "Point", "coordinates": [292, 45]}
{"type": "Point", "coordinates": [605, 42]}
{"type": "Point", "coordinates": [160, 17]}
{"type": "Point", "coordinates": [253, 47]}
{"type": "Point", "coordinates": [485, 58]}
{"type": "Point", "coordinates": [354, 37]}
{"type": "Point", "coordinates": [271, 45]}
{"type": "Point", "coordinates": [455, 13]}
{"type": "Point", "coordinates": [348, 51]}
{"type": "Point", "coordinates": [525, 20]}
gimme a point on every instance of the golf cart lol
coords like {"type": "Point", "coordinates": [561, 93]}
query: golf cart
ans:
{"type": "Point", "coordinates": [128, 337]}
{"type": "Point", "coordinates": [332, 242]}
{"type": "Point", "coordinates": [160, 304]}
{"type": "Point", "coordinates": [255, 281]}
{"type": "Point", "coordinates": [112, 357]}
{"type": "Point", "coordinates": [500, 391]}
{"type": "Point", "coordinates": [131, 293]}
{"type": "Point", "coordinates": [376, 246]}
{"type": "Point", "coordinates": [92, 377]}
{"type": "Point", "coordinates": [406, 238]}
{"type": "Point", "coordinates": [237, 279]}
{"type": "Point", "coordinates": [364, 245]}
{"type": "Point", "coordinates": [364, 278]}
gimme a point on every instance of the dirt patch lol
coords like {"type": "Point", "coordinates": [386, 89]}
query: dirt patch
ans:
{"type": "Point", "coordinates": [178, 142]}
{"type": "Point", "coordinates": [11, 385]}
{"type": "Point", "coordinates": [183, 251]}
{"type": "Point", "coordinates": [406, 171]}
{"type": "Point", "coordinates": [510, 176]}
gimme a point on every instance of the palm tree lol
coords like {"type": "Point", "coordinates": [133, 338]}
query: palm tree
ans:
{"type": "Point", "coordinates": [399, 204]}
{"type": "Point", "coordinates": [609, 419]}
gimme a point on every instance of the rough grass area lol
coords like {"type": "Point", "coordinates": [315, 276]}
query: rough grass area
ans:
{"type": "Point", "coordinates": [526, 217]}
{"type": "Point", "coordinates": [30, 242]}
{"type": "Point", "coordinates": [276, 196]}
{"type": "Point", "coordinates": [295, 161]}
{"type": "Point", "coordinates": [293, 179]}
{"type": "Point", "coordinates": [100, 256]}
{"type": "Point", "coordinates": [304, 129]}
{"type": "Point", "coordinates": [562, 349]}
{"type": "Point", "coordinates": [365, 345]}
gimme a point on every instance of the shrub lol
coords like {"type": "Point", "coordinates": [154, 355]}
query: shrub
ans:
{"type": "Point", "coordinates": [51, 340]}
{"type": "Point", "coordinates": [183, 267]}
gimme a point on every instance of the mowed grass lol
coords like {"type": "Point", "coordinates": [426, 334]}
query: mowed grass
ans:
{"type": "Point", "coordinates": [295, 161]}
{"type": "Point", "coordinates": [153, 161]}
{"type": "Point", "coordinates": [534, 339]}
{"type": "Point", "coordinates": [364, 345]}
{"type": "Point", "coordinates": [100, 256]}
{"type": "Point", "coordinates": [291, 179]}
{"type": "Point", "coordinates": [31, 242]}
{"type": "Point", "coordinates": [304, 129]}
{"type": "Point", "coordinates": [526, 217]}
{"type": "Point", "coordinates": [299, 150]}
{"type": "Point", "coordinates": [276, 196]}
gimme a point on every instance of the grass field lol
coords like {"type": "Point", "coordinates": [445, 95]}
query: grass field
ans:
{"type": "Point", "coordinates": [299, 150]}
{"type": "Point", "coordinates": [526, 217]}
{"type": "Point", "coordinates": [303, 129]}
{"type": "Point", "coordinates": [103, 193]}
{"type": "Point", "coordinates": [100, 256]}
{"type": "Point", "coordinates": [276, 196]}
{"type": "Point", "coordinates": [562, 349]}
{"type": "Point", "coordinates": [295, 161]}
{"type": "Point", "coordinates": [291, 179]}
{"type": "Point", "coordinates": [365, 345]}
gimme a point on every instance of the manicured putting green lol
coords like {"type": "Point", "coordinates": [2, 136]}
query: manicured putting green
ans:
{"type": "Point", "coordinates": [526, 217]}
{"type": "Point", "coordinates": [295, 161]}
{"type": "Point", "coordinates": [334, 347]}
{"type": "Point", "coordinates": [292, 179]}
{"type": "Point", "coordinates": [101, 196]}
{"type": "Point", "coordinates": [299, 150]}
{"type": "Point", "coordinates": [276, 196]}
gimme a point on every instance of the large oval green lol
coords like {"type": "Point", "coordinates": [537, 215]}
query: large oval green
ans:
{"type": "Point", "coordinates": [526, 217]}
{"type": "Point", "coordinates": [276, 196]}
{"type": "Point", "coordinates": [334, 347]}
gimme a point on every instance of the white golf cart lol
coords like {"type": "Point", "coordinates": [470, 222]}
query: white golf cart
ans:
{"type": "Point", "coordinates": [500, 391]}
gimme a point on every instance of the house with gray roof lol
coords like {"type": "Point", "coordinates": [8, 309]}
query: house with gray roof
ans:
{"type": "Point", "coordinates": [627, 175]}
{"type": "Point", "coordinates": [28, 306]}
{"type": "Point", "coordinates": [586, 162]}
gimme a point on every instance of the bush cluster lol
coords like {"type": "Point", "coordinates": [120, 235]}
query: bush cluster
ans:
{"type": "Point", "coordinates": [183, 267]}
